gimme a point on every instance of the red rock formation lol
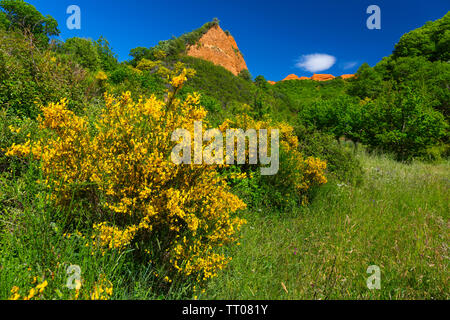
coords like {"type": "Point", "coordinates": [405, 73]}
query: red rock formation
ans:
{"type": "Point", "coordinates": [271, 82]}
{"type": "Point", "coordinates": [322, 77]}
{"type": "Point", "coordinates": [219, 48]}
{"type": "Point", "coordinates": [316, 77]}
{"type": "Point", "coordinates": [291, 77]}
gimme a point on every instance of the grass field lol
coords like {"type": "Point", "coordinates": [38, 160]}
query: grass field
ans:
{"type": "Point", "coordinates": [397, 219]}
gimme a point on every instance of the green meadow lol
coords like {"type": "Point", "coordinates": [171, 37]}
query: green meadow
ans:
{"type": "Point", "coordinates": [396, 219]}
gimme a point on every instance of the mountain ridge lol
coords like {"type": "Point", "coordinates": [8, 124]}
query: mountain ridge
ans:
{"type": "Point", "coordinates": [315, 77]}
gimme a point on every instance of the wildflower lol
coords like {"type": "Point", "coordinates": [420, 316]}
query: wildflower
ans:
{"type": "Point", "coordinates": [42, 286]}
{"type": "Point", "coordinates": [31, 294]}
{"type": "Point", "coordinates": [179, 80]}
{"type": "Point", "coordinates": [101, 75]}
{"type": "Point", "coordinates": [14, 293]}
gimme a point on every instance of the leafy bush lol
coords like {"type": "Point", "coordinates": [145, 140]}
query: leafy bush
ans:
{"type": "Point", "coordinates": [368, 83]}
{"type": "Point", "coordinates": [338, 117]}
{"type": "Point", "coordinates": [121, 74]}
{"type": "Point", "coordinates": [127, 78]}
{"type": "Point", "coordinates": [82, 51]}
{"type": "Point", "coordinates": [92, 55]}
{"type": "Point", "coordinates": [341, 162]}
{"type": "Point", "coordinates": [293, 184]}
{"type": "Point", "coordinates": [297, 175]}
{"type": "Point", "coordinates": [404, 124]}
{"type": "Point", "coordinates": [173, 215]}
{"type": "Point", "coordinates": [245, 74]}
{"type": "Point", "coordinates": [431, 41]}
{"type": "Point", "coordinates": [22, 16]}
{"type": "Point", "coordinates": [30, 76]}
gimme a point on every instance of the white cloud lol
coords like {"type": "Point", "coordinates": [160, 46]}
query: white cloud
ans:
{"type": "Point", "coordinates": [316, 62]}
{"type": "Point", "coordinates": [349, 65]}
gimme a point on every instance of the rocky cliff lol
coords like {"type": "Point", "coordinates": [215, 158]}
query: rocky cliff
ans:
{"type": "Point", "coordinates": [220, 48]}
{"type": "Point", "coordinates": [315, 77]}
{"type": "Point", "coordinates": [291, 77]}
{"type": "Point", "coordinates": [322, 77]}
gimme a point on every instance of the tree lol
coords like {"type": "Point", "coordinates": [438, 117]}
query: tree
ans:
{"type": "Point", "coordinates": [138, 54]}
{"type": "Point", "coordinates": [216, 21]}
{"type": "Point", "coordinates": [431, 41]}
{"type": "Point", "coordinates": [4, 22]}
{"type": "Point", "coordinates": [261, 82]}
{"type": "Point", "coordinates": [245, 74]}
{"type": "Point", "coordinates": [108, 59]}
{"type": "Point", "coordinates": [20, 15]}
{"type": "Point", "coordinates": [83, 51]}
{"type": "Point", "coordinates": [368, 83]}
{"type": "Point", "coordinates": [30, 77]}
{"type": "Point", "coordinates": [430, 79]}
{"type": "Point", "coordinates": [338, 117]}
{"type": "Point", "coordinates": [404, 124]}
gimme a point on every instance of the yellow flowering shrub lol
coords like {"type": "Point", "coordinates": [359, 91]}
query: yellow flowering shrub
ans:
{"type": "Point", "coordinates": [101, 75]}
{"type": "Point", "coordinates": [297, 173]}
{"type": "Point", "coordinates": [180, 215]}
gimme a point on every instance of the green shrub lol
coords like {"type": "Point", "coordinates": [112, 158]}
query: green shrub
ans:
{"type": "Point", "coordinates": [404, 124]}
{"type": "Point", "coordinates": [368, 83]}
{"type": "Point", "coordinates": [30, 77]}
{"type": "Point", "coordinates": [245, 74]}
{"type": "Point", "coordinates": [297, 94]}
{"type": "Point", "coordinates": [82, 51]}
{"type": "Point", "coordinates": [341, 162]}
{"type": "Point", "coordinates": [23, 17]}
{"type": "Point", "coordinates": [125, 78]}
{"type": "Point", "coordinates": [431, 41]}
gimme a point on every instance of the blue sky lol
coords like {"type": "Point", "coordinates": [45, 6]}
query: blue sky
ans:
{"type": "Point", "coordinates": [273, 35]}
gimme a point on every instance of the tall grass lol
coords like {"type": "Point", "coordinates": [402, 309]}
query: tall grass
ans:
{"type": "Point", "coordinates": [398, 219]}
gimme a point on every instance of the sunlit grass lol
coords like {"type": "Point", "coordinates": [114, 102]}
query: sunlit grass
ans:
{"type": "Point", "coordinates": [397, 219]}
